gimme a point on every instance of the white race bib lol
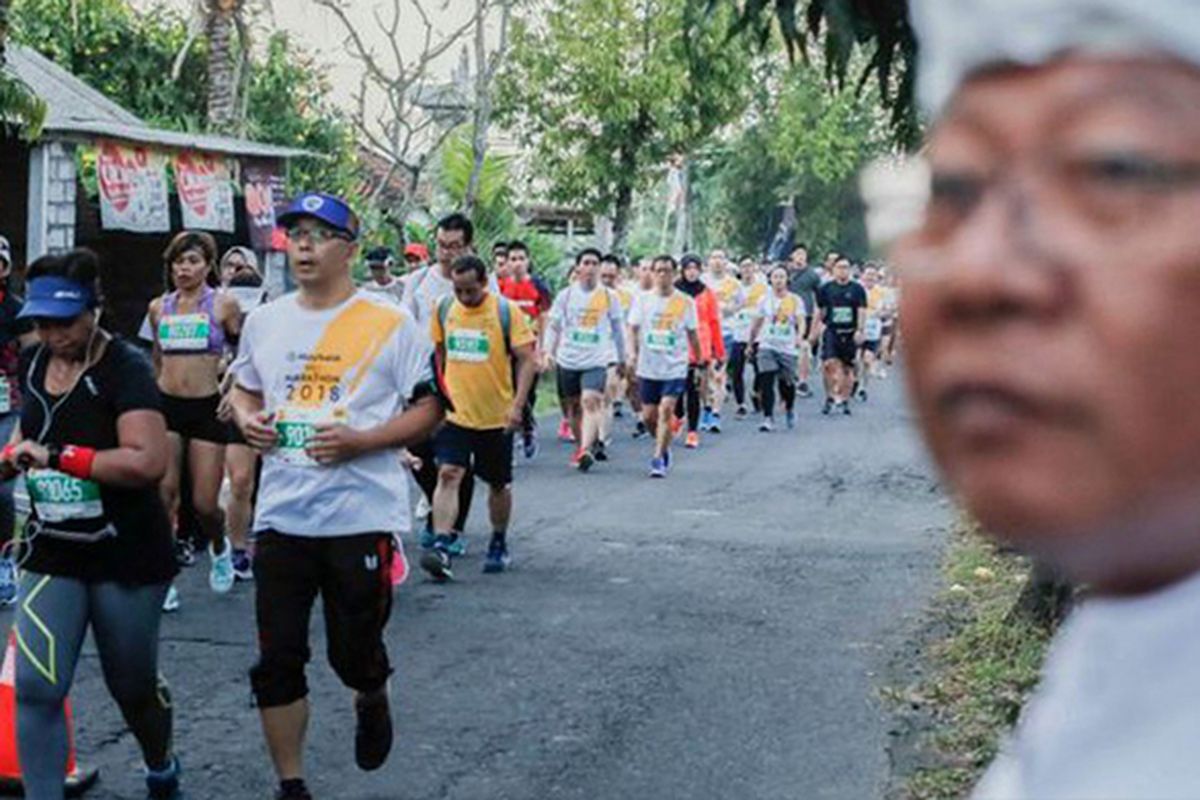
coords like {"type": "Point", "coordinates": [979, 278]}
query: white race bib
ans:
{"type": "Point", "coordinates": [781, 333]}
{"type": "Point", "coordinates": [183, 332]}
{"type": "Point", "coordinates": [581, 337]}
{"type": "Point", "coordinates": [874, 329]}
{"type": "Point", "coordinates": [842, 315]}
{"type": "Point", "coordinates": [5, 395]}
{"type": "Point", "coordinates": [467, 345]}
{"type": "Point", "coordinates": [296, 426]}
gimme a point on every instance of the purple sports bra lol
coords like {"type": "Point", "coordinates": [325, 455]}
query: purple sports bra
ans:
{"type": "Point", "coordinates": [216, 332]}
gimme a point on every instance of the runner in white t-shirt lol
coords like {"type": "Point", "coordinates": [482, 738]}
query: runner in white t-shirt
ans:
{"type": "Point", "coordinates": [331, 383]}
{"type": "Point", "coordinates": [777, 336]}
{"type": "Point", "coordinates": [663, 324]}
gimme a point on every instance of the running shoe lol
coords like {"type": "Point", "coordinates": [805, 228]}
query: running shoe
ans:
{"type": "Point", "coordinates": [565, 434]}
{"type": "Point", "coordinates": [862, 395]}
{"type": "Point", "coordinates": [373, 731]}
{"type": "Point", "coordinates": [692, 441]}
{"type": "Point", "coordinates": [8, 582]}
{"type": "Point", "coordinates": [221, 574]}
{"type": "Point", "coordinates": [529, 443]}
{"type": "Point", "coordinates": [164, 784]}
{"type": "Point", "coordinates": [742, 412]}
{"type": "Point", "coordinates": [715, 425]}
{"type": "Point", "coordinates": [582, 460]}
{"type": "Point", "coordinates": [828, 407]}
{"type": "Point", "coordinates": [766, 426]}
{"type": "Point", "coordinates": [457, 546]}
{"type": "Point", "coordinates": [846, 408]}
{"type": "Point", "coordinates": [706, 420]}
{"type": "Point", "coordinates": [676, 426]}
{"type": "Point", "coordinates": [293, 789]}
{"type": "Point", "coordinates": [803, 391]}
{"type": "Point", "coordinates": [666, 458]}
{"type": "Point", "coordinates": [791, 420]}
{"type": "Point", "coordinates": [426, 539]}
{"type": "Point", "coordinates": [171, 601]}
{"type": "Point", "coordinates": [600, 451]}
{"type": "Point", "coordinates": [497, 559]}
{"type": "Point", "coordinates": [658, 469]}
{"type": "Point", "coordinates": [639, 430]}
{"type": "Point", "coordinates": [437, 561]}
{"type": "Point", "coordinates": [243, 565]}
{"type": "Point", "coordinates": [618, 409]}
{"type": "Point", "coordinates": [185, 553]}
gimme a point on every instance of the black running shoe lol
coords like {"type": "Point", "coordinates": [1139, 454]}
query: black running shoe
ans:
{"type": "Point", "coordinates": [599, 451]}
{"type": "Point", "coordinates": [845, 408]}
{"type": "Point", "coordinates": [437, 561]}
{"type": "Point", "coordinates": [373, 733]}
{"type": "Point", "coordinates": [185, 553]}
{"type": "Point", "coordinates": [803, 391]}
{"type": "Point", "coordinates": [293, 790]}
{"type": "Point", "coordinates": [827, 409]}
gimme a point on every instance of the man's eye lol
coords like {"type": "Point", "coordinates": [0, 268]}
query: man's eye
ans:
{"type": "Point", "coordinates": [956, 191]}
{"type": "Point", "coordinates": [1134, 171]}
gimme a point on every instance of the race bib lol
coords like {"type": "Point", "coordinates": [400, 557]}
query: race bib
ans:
{"type": "Point", "coordinates": [661, 341]}
{"type": "Point", "coordinates": [467, 345]}
{"type": "Point", "coordinates": [842, 315]}
{"type": "Point", "coordinates": [780, 332]}
{"type": "Point", "coordinates": [5, 395]}
{"type": "Point", "coordinates": [179, 332]}
{"type": "Point", "coordinates": [58, 497]}
{"type": "Point", "coordinates": [874, 328]}
{"type": "Point", "coordinates": [584, 338]}
{"type": "Point", "coordinates": [296, 426]}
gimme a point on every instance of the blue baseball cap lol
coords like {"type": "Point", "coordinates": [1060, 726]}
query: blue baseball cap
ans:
{"type": "Point", "coordinates": [56, 297]}
{"type": "Point", "coordinates": [331, 210]}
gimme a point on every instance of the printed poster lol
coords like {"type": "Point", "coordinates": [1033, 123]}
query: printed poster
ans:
{"type": "Point", "coordinates": [264, 186]}
{"type": "Point", "coordinates": [133, 188]}
{"type": "Point", "coordinates": [205, 186]}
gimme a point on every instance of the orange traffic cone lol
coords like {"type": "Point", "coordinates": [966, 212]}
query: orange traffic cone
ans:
{"type": "Point", "coordinates": [77, 781]}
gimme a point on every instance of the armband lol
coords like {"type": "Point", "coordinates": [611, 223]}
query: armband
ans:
{"type": "Point", "coordinates": [74, 461]}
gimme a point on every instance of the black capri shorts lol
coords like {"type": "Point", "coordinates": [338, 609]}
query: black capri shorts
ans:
{"type": "Point", "coordinates": [195, 418]}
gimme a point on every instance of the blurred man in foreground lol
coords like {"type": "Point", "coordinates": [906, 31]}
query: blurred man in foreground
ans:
{"type": "Point", "coordinates": [1049, 300]}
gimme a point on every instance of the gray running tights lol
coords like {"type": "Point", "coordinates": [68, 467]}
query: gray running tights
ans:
{"type": "Point", "coordinates": [53, 614]}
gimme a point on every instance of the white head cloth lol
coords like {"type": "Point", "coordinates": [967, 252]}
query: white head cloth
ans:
{"type": "Point", "coordinates": [958, 37]}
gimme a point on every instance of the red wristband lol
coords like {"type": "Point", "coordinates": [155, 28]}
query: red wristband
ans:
{"type": "Point", "coordinates": [7, 453]}
{"type": "Point", "coordinates": [76, 461]}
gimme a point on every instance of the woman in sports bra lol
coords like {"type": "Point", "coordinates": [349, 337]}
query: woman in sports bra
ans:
{"type": "Point", "coordinates": [192, 324]}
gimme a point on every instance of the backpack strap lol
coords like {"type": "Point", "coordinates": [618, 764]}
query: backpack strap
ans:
{"type": "Point", "coordinates": [443, 311]}
{"type": "Point", "coordinates": [506, 323]}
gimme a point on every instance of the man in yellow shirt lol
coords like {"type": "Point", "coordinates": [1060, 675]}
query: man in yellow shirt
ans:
{"type": "Point", "coordinates": [478, 335]}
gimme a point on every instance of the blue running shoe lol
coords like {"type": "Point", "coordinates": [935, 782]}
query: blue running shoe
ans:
{"type": "Point", "coordinates": [791, 420]}
{"type": "Point", "coordinates": [530, 445]}
{"type": "Point", "coordinates": [706, 420]}
{"type": "Point", "coordinates": [427, 539]}
{"type": "Point", "coordinates": [497, 559]}
{"type": "Point", "coordinates": [458, 545]}
{"type": "Point", "coordinates": [666, 459]}
{"type": "Point", "coordinates": [164, 785]}
{"type": "Point", "coordinates": [658, 469]}
{"type": "Point", "coordinates": [8, 582]}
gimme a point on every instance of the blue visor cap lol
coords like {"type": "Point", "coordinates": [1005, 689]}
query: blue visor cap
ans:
{"type": "Point", "coordinates": [55, 297]}
{"type": "Point", "coordinates": [331, 210]}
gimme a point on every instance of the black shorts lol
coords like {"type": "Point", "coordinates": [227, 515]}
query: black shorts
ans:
{"type": "Point", "coordinates": [870, 347]}
{"type": "Point", "coordinates": [353, 576]}
{"type": "Point", "coordinates": [233, 434]}
{"type": "Point", "coordinates": [195, 418]}
{"type": "Point", "coordinates": [488, 452]}
{"type": "Point", "coordinates": [839, 346]}
{"type": "Point", "coordinates": [574, 382]}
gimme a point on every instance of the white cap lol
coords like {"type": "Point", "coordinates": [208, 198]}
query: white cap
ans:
{"type": "Point", "coordinates": [6, 251]}
{"type": "Point", "coordinates": [959, 37]}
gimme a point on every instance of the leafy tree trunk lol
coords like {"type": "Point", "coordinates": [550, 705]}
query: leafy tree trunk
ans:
{"type": "Point", "coordinates": [485, 72]}
{"type": "Point", "coordinates": [222, 80]}
{"type": "Point", "coordinates": [683, 215]}
{"type": "Point", "coordinates": [3, 29]}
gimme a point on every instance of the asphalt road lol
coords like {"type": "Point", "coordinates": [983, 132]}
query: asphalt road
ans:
{"type": "Point", "coordinates": [714, 635]}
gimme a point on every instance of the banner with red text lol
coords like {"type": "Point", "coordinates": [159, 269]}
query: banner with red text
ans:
{"type": "Point", "coordinates": [133, 188]}
{"type": "Point", "coordinates": [205, 186]}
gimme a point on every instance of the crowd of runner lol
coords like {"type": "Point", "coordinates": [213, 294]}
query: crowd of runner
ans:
{"type": "Point", "coordinates": [278, 436]}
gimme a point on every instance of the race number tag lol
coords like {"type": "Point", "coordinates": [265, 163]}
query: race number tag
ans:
{"type": "Point", "coordinates": [296, 426]}
{"type": "Point", "coordinates": [584, 338]}
{"type": "Point", "coordinates": [183, 332]}
{"type": "Point", "coordinates": [5, 395]}
{"type": "Point", "coordinates": [467, 345]}
{"type": "Point", "coordinates": [780, 333]}
{"type": "Point", "coordinates": [874, 329]}
{"type": "Point", "coordinates": [58, 497]}
{"type": "Point", "coordinates": [842, 315]}
{"type": "Point", "coordinates": [661, 341]}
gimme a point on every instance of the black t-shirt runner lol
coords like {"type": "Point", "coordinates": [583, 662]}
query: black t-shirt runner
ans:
{"type": "Point", "coordinates": [841, 303]}
{"type": "Point", "coordinates": [141, 552]}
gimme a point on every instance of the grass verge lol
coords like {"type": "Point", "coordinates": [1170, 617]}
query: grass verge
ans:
{"type": "Point", "coordinates": [979, 659]}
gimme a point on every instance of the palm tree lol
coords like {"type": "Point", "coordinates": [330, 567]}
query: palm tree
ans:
{"type": "Point", "coordinates": [218, 20]}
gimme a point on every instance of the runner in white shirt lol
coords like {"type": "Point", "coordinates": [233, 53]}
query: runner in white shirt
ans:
{"type": "Point", "coordinates": [663, 323]}
{"type": "Point", "coordinates": [777, 334]}
{"type": "Point", "coordinates": [331, 383]}
{"type": "Point", "coordinates": [381, 281]}
{"type": "Point", "coordinates": [753, 291]}
{"type": "Point", "coordinates": [585, 333]}
{"type": "Point", "coordinates": [730, 298]}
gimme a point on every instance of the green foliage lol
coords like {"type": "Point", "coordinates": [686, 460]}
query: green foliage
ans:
{"type": "Point", "coordinates": [872, 35]}
{"type": "Point", "coordinates": [804, 145]}
{"type": "Point", "coordinates": [18, 106]}
{"type": "Point", "coordinates": [604, 91]}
